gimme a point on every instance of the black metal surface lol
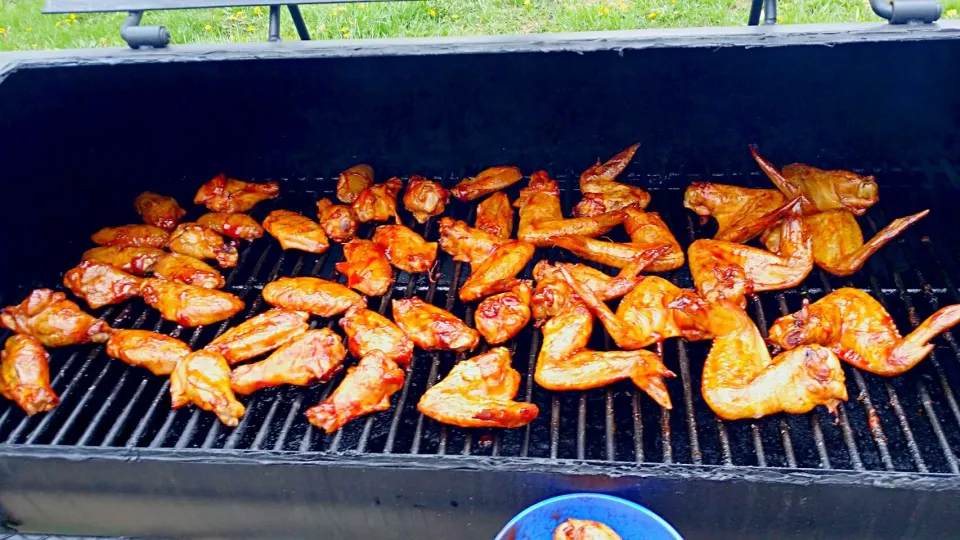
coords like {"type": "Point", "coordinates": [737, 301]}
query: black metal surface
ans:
{"type": "Point", "coordinates": [94, 6]}
{"type": "Point", "coordinates": [907, 11]}
{"type": "Point", "coordinates": [298, 22]}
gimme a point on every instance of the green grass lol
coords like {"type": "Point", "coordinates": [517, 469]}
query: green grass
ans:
{"type": "Point", "coordinates": [22, 26]}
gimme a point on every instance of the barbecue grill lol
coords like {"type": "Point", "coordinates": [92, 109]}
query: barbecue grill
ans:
{"type": "Point", "coordinates": [86, 131]}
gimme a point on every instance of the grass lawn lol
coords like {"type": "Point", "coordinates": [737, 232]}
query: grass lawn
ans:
{"type": "Point", "coordinates": [22, 26]}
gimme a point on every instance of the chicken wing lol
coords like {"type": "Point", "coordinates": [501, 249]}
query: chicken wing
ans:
{"type": "Point", "coordinates": [741, 213]}
{"type": "Point", "coordinates": [314, 295]}
{"type": "Point", "coordinates": [338, 221]}
{"type": "Point", "coordinates": [425, 198]}
{"type": "Point", "coordinates": [136, 260]}
{"type": "Point", "coordinates": [378, 202]}
{"type": "Point", "coordinates": [502, 316]}
{"type": "Point", "coordinates": [602, 193]}
{"type": "Point", "coordinates": [314, 356]}
{"type": "Point", "coordinates": [132, 236]}
{"type": "Point", "coordinates": [365, 389]}
{"type": "Point", "coordinates": [201, 243]}
{"type": "Point", "coordinates": [487, 182]}
{"type": "Point", "coordinates": [234, 225]}
{"type": "Point", "coordinates": [224, 194]}
{"type": "Point", "coordinates": [189, 271]}
{"type": "Point", "coordinates": [163, 212]}
{"type": "Point", "coordinates": [432, 328]}
{"type": "Point", "coordinates": [495, 216]}
{"type": "Point", "coordinates": [647, 228]}
{"type": "Point", "coordinates": [25, 375]}
{"type": "Point", "coordinates": [565, 363]}
{"type": "Point", "coordinates": [553, 294]}
{"type": "Point", "coordinates": [353, 181]}
{"type": "Point", "coordinates": [541, 219]}
{"type": "Point", "coordinates": [203, 377]}
{"type": "Point", "coordinates": [260, 334]}
{"type": "Point", "coordinates": [369, 331]}
{"type": "Point", "coordinates": [584, 529]}
{"type": "Point", "coordinates": [630, 257]}
{"type": "Point", "coordinates": [465, 243]}
{"type": "Point", "coordinates": [188, 305]}
{"type": "Point", "coordinates": [55, 321]}
{"type": "Point", "coordinates": [405, 249]}
{"type": "Point", "coordinates": [295, 231]}
{"type": "Point", "coordinates": [478, 393]}
{"type": "Point", "coordinates": [142, 348]}
{"type": "Point", "coordinates": [857, 328]}
{"type": "Point", "coordinates": [101, 284]}
{"type": "Point", "coordinates": [366, 268]}
{"type": "Point", "coordinates": [497, 273]}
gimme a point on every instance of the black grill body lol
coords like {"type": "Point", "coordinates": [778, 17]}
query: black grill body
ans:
{"type": "Point", "coordinates": [85, 132]}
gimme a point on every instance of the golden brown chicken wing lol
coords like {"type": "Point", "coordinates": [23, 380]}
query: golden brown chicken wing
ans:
{"type": "Point", "coordinates": [366, 389]}
{"type": "Point", "coordinates": [497, 273]}
{"type": "Point", "coordinates": [495, 216]}
{"type": "Point", "coordinates": [378, 202]}
{"type": "Point", "coordinates": [465, 243]}
{"type": "Point", "coordinates": [647, 228]}
{"type": "Point", "coordinates": [353, 181]}
{"type": "Point", "coordinates": [203, 377]}
{"type": "Point", "coordinates": [501, 317]}
{"type": "Point", "coordinates": [584, 529]}
{"type": "Point", "coordinates": [295, 231]}
{"type": "Point", "coordinates": [425, 198]}
{"type": "Point", "coordinates": [260, 334]}
{"type": "Point", "coordinates": [25, 375]}
{"type": "Point", "coordinates": [224, 194]}
{"type": "Point", "coordinates": [201, 243]}
{"type": "Point", "coordinates": [314, 295]}
{"type": "Point", "coordinates": [188, 305]}
{"type": "Point", "coordinates": [55, 321]}
{"type": "Point", "coordinates": [164, 212]}
{"type": "Point", "coordinates": [857, 328]}
{"type": "Point", "coordinates": [101, 284]}
{"type": "Point", "coordinates": [132, 236]}
{"type": "Point", "coordinates": [432, 328]}
{"type": "Point", "coordinates": [630, 257]}
{"type": "Point", "coordinates": [233, 225]}
{"type": "Point", "coordinates": [405, 249]}
{"type": "Point", "coordinates": [741, 213]}
{"type": "Point", "coordinates": [142, 348]}
{"type": "Point", "coordinates": [553, 293]}
{"type": "Point", "coordinates": [338, 221]}
{"type": "Point", "coordinates": [541, 219]}
{"type": "Point", "coordinates": [478, 393]}
{"type": "Point", "coordinates": [136, 260]}
{"type": "Point", "coordinates": [602, 193]}
{"type": "Point", "coordinates": [366, 268]}
{"type": "Point", "coordinates": [314, 356]}
{"type": "Point", "coordinates": [487, 182]}
{"type": "Point", "coordinates": [189, 271]}
{"type": "Point", "coordinates": [369, 331]}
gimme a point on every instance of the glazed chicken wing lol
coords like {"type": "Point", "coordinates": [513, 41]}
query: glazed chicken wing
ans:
{"type": "Point", "coordinates": [338, 221]}
{"type": "Point", "coordinates": [497, 273]}
{"type": "Point", "coordinates": [405, 249]}
{"type": "Point", "coordinates": [432, 328]}
{"type": "Point", "coordinates": [234, 225]}
{"type": "Point", "coordinates": [188, 305]}
{"type": "Point", "coordinates": [201, 243]}
{"type": "Point", "coordinates": [314, 295]}
{"type": "Point", "coordinates": [465, 243]}
{"type": "Point", "coordinates": [189, 271]}
{"type": "Point", "coordinates": [741, 213]}
{"type": "Point", "coordinates": [856, 327]}
{"type": "Point", "coordinates": [136, 260]}
{"type": "Point", "coordinates": [365, 389]}
{"type": "Point", "coordinates": [224, 194]}
{"type": "Point", "coordinates": [314, 356]}
{"type": "Point", "coordinates": [295, 231]}
{"type": "Point", "coordinates": [602, 193]}
{"type": "Point", "coordinates": [25, 375]}
{"type": "Point", "coordinates": [495, 216]}
{"type": "Point", "coordinates": [55, 321]}
{"type": "Point", "coordinates": [353, 181]}
{"type": "Point", "coordinates": [260, 334]}
{"type": "Point", "coordinates": [584, 529]}
{"type": "Point", "coordinates": [132, 236]}
{"type": "Point", "coordinates": [425, 198]}
{"type": "Point", "coordinates": [378, 202]}
{"type": "Point", "coordinates": [541, 219]}
{"type": "Point", "coordinates": [478, 393]}
{"type": "Point", "coordinates": [630, 257]}
{"type": "Point", "coordinates": [648, 229]}
{"type": "Point", "coordinates": [203, 378]}
{"type": "Point", "coordinates": [553, 293]}
{"type": "Point", "coordinates": [163, 212]}
{"type": "Point", "coordinates": [502, 316]}
{"type": "Point", "coordinates": [366, 268]}
{"type": "Point", "coordinates": [101, 284]}
{"type": "Point", "coordinates": [142, 348]}
{"type": "Point", "coordinates": [369, 331]}
{"type": "Point", "coordinates": [487, 182]}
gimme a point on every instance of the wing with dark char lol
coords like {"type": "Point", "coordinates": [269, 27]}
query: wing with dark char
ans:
{"type": "Point", "coordinates": [136, 260]}
{"type": "Point", "coordinates": [314, 295]}
{"type": "Point", "coordinates": [155, 209]}
{"type": "Point", "coordinates": [353, 181]}
{"type": "Point", "coordinates": [314, 356]}
{"type": "Point", "coordinates": [142, 348]}
{"type": "Point", "coordinates": [203, 378]}
{"type": "Point", "coordinates": [432, 328]}
{"type": "Point", "coordinates": [25, 375]}
{"type": "Point", "coordinates": [378, 202]}
{"type": "Point", "coordinates": [295, 231]}
{"type": "Point", "coordinates": [224, 194]}
{"type": "Point", "coordinates": [405, 249]}
{"type": "Point", "coordinates": [425, 198]}
{"type": "Point", "coordinates": [487, 182]}
{"type": "Point", "coordinates": [55, 321]}
{"type": "Point", "coordinates": [495, 215]}
{"type": "Point", "coordinates": [365, 389]}
{"type": "Point", "coordinates": [369, 331]}
{"type": "Point", "coordinates": [338, 221]}
{"type": "Point", "coordinates": [234, 225]}
{"type": "Point", "coordinates": [366, 267]}
{"type": "Point", "coordinates": [100, 284]}
{"type": "Point", "coordinates": [188, 305]}
{"type": "Point", "coordinates": [132, 236]}
{"type": "Point", "coordinates": [260, 334]}
{"type": "Point", "coordinates": [189, 271]}
{"type": "Point", "coordinates": [501, 317]}
{"type": "Point", "coordinates": [200, 242]}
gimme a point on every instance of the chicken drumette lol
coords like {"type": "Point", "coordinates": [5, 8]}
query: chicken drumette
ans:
{"type": "Point", "coordinates": [338, 221]}
{"type": "Point", "coordinates": [136, 260]}
{"type": "Point", "coordinates": [501, 317]}
{"type": "Point", "coordinates": [405, 249]}
{"type": "Point", "coordinates": [378, 202]}
{"type": "Point", "coordinates": [132, 236]}
{"type": "Point", "coordinates": [314, 295]}
{"type": "Point", "coordinates": [100, 284]}
{"type": "Point", "coordinates": [295, 231]}
{"type": "Point", "coordinates": [541, 219]}
{"type": "Point", "coordinates": [425, 198]}
{"type": "Point", "coordinates": [142, 348]}
{"type": "Point", "coordinates": [25, 375]}
{"type": "Point", "coordinates": [235, 225]}
{"type": "Point", "coordinates": [602, 193]}
{"type": "Point", "coordinates": [353, 181]}
{"type": "Point", "coordinates": [494, 262]}
{"type": "Point", "coordinates": [189, 271]}
{"type": "Point", "coordinates": [188, 305]}
{"type": "Point", "coordinates": [314, 356]}
{"type": "Point", "coordinates": [366, 267]}
{"type": "Point", "coordinates": [203, 377]}
{"type": "Point", "coordinates": [55, 321]}
{"type": "Point", "coordinates": [487, 182]}
{"type": "Point", "coordinates": [200, 242]}
{"type": "Point", "coordinates": [158, 210]}
{"type": "Point", "coordinates": [365, 389]}
{"type": "Point", "coordinates": [369, 331]}
{"type": "Point", "coordinates": [224, 194]}
{"type": "Point", "coordinates": [260, 334]}
{"type": "Point", "coordinates": [432, 328]}
{"type": "Point", "coordinates": [495, 216]}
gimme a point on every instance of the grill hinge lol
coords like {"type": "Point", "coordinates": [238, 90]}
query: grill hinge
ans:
{"type": "Point", "coordinates": [907, 11]}
{"type": "Point", "coordinates": [138, 36]}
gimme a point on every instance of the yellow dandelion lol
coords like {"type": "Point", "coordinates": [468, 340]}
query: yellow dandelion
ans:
{"type": "Point", "coordinates": [208, 28]}
{"type": "Point", "coordinates": [526, 2]}
{"type": "Point", "coordinates": [344, 29]}
{"type": "Point", "coordinates": [103, 41]}
{"type": "Point", "coordinates": [256, 10]}
{"type": "Point", "coordinates": [951, 13]}
{"type": "Point", "coordinates": [240, 15]}
{"type": "Point", "coordinates": [3, 30]}
{"type": "Point", "coordinates": [779, 19]}
{"type": "Point", "coordinates": [250, 28]}
{"type": "Point", "coordinates": [624, 8]}
{"type": "Point", "coordinates": [652, 15]}
{"type": "Point", "coordinates": [432, 12]}
{"type": "Point", "coordinates": [346, 34]}
{"type": "Point", "coordinates": [58, 24]}
{"type": "Point", "coordinates": [454, 16]}
{"type": "Point", "coordinates": [73, 16]}
{"type": "Point", "coordinates": [362, 5]}
{"type": "Point", "coordinates": [29, 29]}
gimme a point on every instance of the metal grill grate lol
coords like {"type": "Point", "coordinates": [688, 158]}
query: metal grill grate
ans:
{"type": "Point", "coordinates": [906, 423]}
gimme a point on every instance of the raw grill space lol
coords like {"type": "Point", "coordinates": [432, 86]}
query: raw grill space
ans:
{"type": "Point", "coordinates": [906, 423]}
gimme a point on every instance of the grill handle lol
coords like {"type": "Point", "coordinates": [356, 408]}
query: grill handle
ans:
{"type": "Point", "coordinates": [138, 36]}
{"type": "Point", "coordinates": [907, 11]}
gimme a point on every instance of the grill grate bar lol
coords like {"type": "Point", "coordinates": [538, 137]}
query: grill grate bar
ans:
{"type": "Point", "coordinates": [755, 426]}
{"type": "Point", "coordinates": [528, 393]}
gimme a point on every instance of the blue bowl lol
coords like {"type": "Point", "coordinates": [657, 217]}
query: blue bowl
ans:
{"type": "Point", "coordinates": [630, 520]}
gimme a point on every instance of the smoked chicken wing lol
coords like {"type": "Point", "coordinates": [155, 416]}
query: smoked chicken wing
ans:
{"type": "Point", "coordinates": [478, 393]}
{"type": "Point", "coordinates": [552, 293]}
{"type": "Point", "coordinates": [136, 260]}
{"type": "Point", "coordinates": [55, 321]}
{"type": "Point", "coordinates": [487, 182]}
{"type": "Point", "coordinates": [189, 271]}
{"type": "Point", "coordinates": [378, 202]}
{"type": "Point", "coordinates": [466, 243]}
{"type": "Point", "coordinates": [295, 231]}
{"type": "Point", "coordinates": [425, 198]}
{"type": "Point", "coordinates": [432, 328]}
{"type": "Point", "coordinates": [630, 257]}
{"type": "Point", "coordinates": [132, 236]}
{"type": "Point", "coordinates": [25, 375]}
{"type": "Point", "coordinates": [369, 331]}
{"type": "Point", "coordinates": [353, 181]}
{"type": "Point", "coordinates": [203, 378]}
{"type": "Point", "coordinates": [741, 213]}
{"type": "Point", "coordinates": [260, 334]}
{"type": "Point", "coordinates": [188, 305]}
{"type": "Point", "coordinates": [338, 221]}
{"type": "Point", "coordinates": [584, 529]}
{"type": "Point", "coordinates": [224, 194]}
{"type": "Point", "coordinates": [541, 219]}
{"type": "Point", "coordinates": [495, 216]}
{"type": "Point", "coordinates": [101, 284]}
{"type": "Point", "coordinates": [497, 273]}
{"type": "Point", "coordinates": [502, 316]}
{"type": "Point", "coordinates": [234, 225]}
{"type": "Point", "coordinates": [602, 193]}
{"type": "Point", "coordinates": [200, 242]}
{"type": "Point", "coordinates": [314, 295]}
{"type": "Point", "coordinates": [365, 389]}
{"type": "Point", "coordinates": [857, 328]}
{"type": "Point", "coordinates": [155, 209]}
{"type": "Point", "coordinates": [142, 348]}
{"type": "Point", "coordinates": [312, 357]}
{"type": "Point", "coordinates": [366, 267]}
{"type": "Point", "coordinates": [405, 249]}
